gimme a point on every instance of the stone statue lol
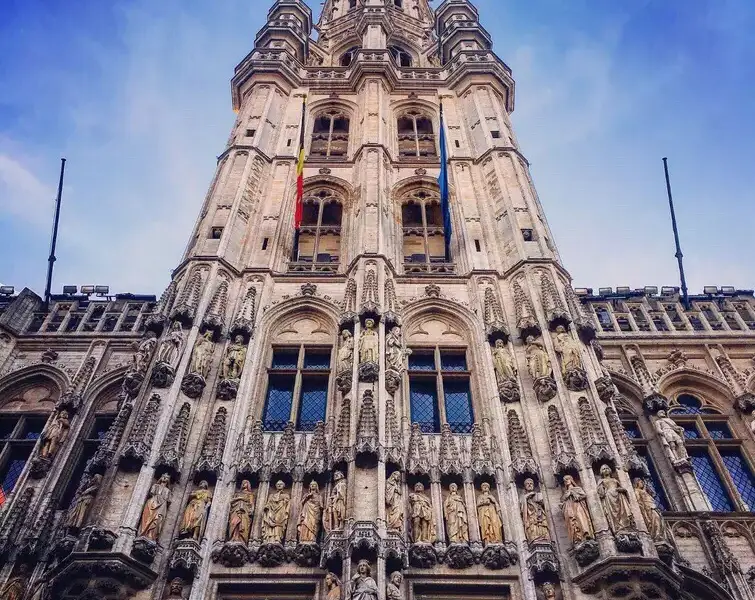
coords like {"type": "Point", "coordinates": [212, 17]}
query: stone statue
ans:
{"type": "Point", "coordinates": [615, 502]}
{"type": "Point", "coordinates": [335, 512]}
{"type": "Point", "coordinates": [310, 515]}
{"type": "Point", "coordinates": [155, 509]}
{"type": "Point", "coordinates": [395, 353]}
{"type": "Point", "coordinates": [202, 357]}
{"type": "Point", "coordinates": [195, 513]}
{"type": "Point", "coordinates": [569, 350]}
{"type": "Point", "coordinates": [15, 587]}
{"type": "Point", "coordinates": [752, 424]}
{"type": "Point", "coordinates": [176, 589]}
{"type": "Point", "coordinates": [505, 369]}
{"type": "Point", "coordinates": [170, 348]}
{"type": "Point", "coordinates": [362, 585]}
{"type": "Point", "coordinates": [671, 436]}
{"type": "Point", "coordinates": [394, 503]}
{"type": "Point", "coordinates": [234, 359]}
{"type": "Point", "coordinates": [549, 591]}
{"type": "Point", "coordinates": [393, 589]}
{"type": "Point", "coordinates": [489, 516]}
{"type": "Point", "coordinates": [333, 586]}
{"type": "Point", "coordinates": [421, 515]}
{"type": "Point", "coordinates": [345, 352]}
{"type": "Point", "coordinates": [455, 513]}
{"type": "Point", "coordinates": [77, 514]}
{"type": "Point", "coordinates": [242, 510]}
{"type": "Point", "coordinates": [538, 363]}
{"type": "Point", "coordinates": [576, 514]}
{"type": "Point", "coordinates": [54, 434]}
{"type": "Point", "coordinates": [650, 513]}
{"type": "Point", "coordinates": [534, 514]}
{"type": "Point", "coordinates": [143, 355]}
{"type": "Point", "coordinates": [368, 343]}
{"type": "Point", "coordinates": [275, 515]}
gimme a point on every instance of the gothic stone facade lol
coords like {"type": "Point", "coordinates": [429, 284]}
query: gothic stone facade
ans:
{"type": "Point", "coordinates": [356, 415]}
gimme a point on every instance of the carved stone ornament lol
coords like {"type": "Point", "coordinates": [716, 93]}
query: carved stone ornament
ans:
{"type": "Point", "coordinates": [308, 289]}
{"type": "Point", "coordinates": [105, 453]}
{"type": "Point", "coordinates": [394, 440]}
{"type": "Point", "coordinates": [481, 456]}
{"type": "Point", "coordinates": [341, 448]}
{"type": "Point", "coordinates": [593, 437]}
{"type": "Point", "coordinates": [186, 558]}
{"type": "Point", "coordinates": [542, 561]}
{"type": "Point", "coordinates": [606, 388]}
{"type": "Point", "coordinates": [495, 323]}
{"type": "Point", "coordinates": [391, 316]}
{"type": "Point", "coordinates": [349, 305]}
{"type": "Point", "coordinates": [418, 457]}
{"type": "Point", "coordinates": [271, 555]}
{"type": "Point", "coordinates": [498, 556]}
{"type": "Point", "coordinates": [369, 369]}
{"type": "Point", "coordinates": [370, 304]}
{"type": "Point", "coordinates": [193, 385]}
{"type": "Point", "coordinates": [586, 552]}
{"type": "Point", "coordinates": [49, 356]}
{"type": "Point", "coordinates": [459, 556]}
{"type": "Point", "coordinates": [211, 455]}
{"type": "Point", "coordinates": [144, 550]}
{"type": "Point", "coordinates": [307, 555]}
{"type": "Point", "coordinates": [633, 462]}
{"type": "Point", "coordinates": [367, 426]}
{"type": "Point", "coordinates": [422, 555]}
{"type": "Point", "coordinates": [163, 375]}
{"type": "Point", "coordinates": [505, 372]}
{"type": "Point", "coordinates": [540, 369]}
{"type": "Point", "coordinates": [317, 455]}
{"type": "Point", "coordinates": [652, 400]}
{"type": "Point", "coordinates": [586, 327]}
{"type": "Point", "coordinates": [449, 460]}
{"type": "Point", "coordinates": [432, 291]}
{"type": "Point", "coordinates": [522, 461]}
{"type": "Point", "coordinates": [554, 308]}
{"type": "Point", "coordinates": [174, 445]}
{"type": "Point", "coordinates": [345, 359]}
{"type": "Point", "coordinates": [614, 499]}
{"type": "Point", "coordinates": [243, 324]}
{"type": "Point", "coordinates": [159, 318]}
{"type": "Point", "coordinates": [185, 308]}
{"type": "Point", "coordinates": [671, 436]}
{"type": "Point", "coordinates": [526, 322]}
{"type": "Point", "coordinates": [214, 316]}
{"type": "Point", "coordinates": [253, 456]}
{"type": "Point", "coordinates": [15, 519]}
{"type": "Point", "coordinates": [232, 554]}
{"type": "Point", "coordinates": [284, 459]}
{"type": "Point", "coordinates": [562, 448]}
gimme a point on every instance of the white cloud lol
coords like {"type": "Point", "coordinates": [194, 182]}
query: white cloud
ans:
{"type": "Point", "coordinates": [22, 194]}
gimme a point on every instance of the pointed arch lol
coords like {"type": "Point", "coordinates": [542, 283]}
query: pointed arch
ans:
{"type": "Point", "coordinates": [697, 383]}
{"type": "Point", "coordinates": [42, 371]}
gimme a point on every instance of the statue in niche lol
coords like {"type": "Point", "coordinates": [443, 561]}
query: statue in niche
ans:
{"type": "Point", "coordinates": [393, 589]}
{"type": "Point", "coordinates": [202, 356]}
{"type": "Point", "coordinates": [195, 513]}
{"type": "Point", "coordinates": [15, 587]}
{"type": "Point", "coordinates": [335, 512]}
{"type": "Point", "coordinates": [240, 518]}
{"type": "Point", "coordinates": [333, 586]}
{"type": "Point", "coordinates": [176, 589]}
{"type": "Point", "coordinates": [671, 436]}
{"type": "Point", "coordinates": [234, 359]}
{"type": "Point", "coordinates": [421, 515]}
{"type": "Point", "coordinates": [489, 516]}
{"type": "Point", "coordinates": [170, 348]}
{"type": "Point", "coordinates": [155, 509]}
{"type": "Point", "coordinates": [650, 513]}
{"type": "Point", "coordinates": [614, 498]}
{"type": "Point", "coordinates": [311, 514]}
{"type": "Point", "coordinates": [368, 343]}
{"type": "Point", "coordinates": [538, 363]}
{"type": "Point", "coordinates": [54, 435]}
{"type": "Point", "coordinates": [534, 514]}
{"type": "Point", "coordinates": [345, 352]}
{"type": "Point", "coordinates": [395, 353]}
{"type": "Point", "coordinates": [275, 515]}
{"type": "Point", "coordinates": [143, 355]}
{"type": "Point", "coordinates": [576, 514]}
{"type": "Point", "coordinates": [78, 513]}
{"type": "Point", "coordinates": [569, 350]}
{"type": "Point", "coordinates": [455, 513]}
{"type": "Point", "coordinates": [394, 503]}
{"type": "Point", "coordinates": [549, 591]}
{"type": "Point", "coordinates": [362, 585]}
{"type": "Point", "coordinates": [505, 369]}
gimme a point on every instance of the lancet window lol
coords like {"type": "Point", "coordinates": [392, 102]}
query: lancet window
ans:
{"type": "Point", "coordinates": [319, 244]}
{"type": "Point", "coordinates": [422, 221]}
{"type": "Point", "coordinates": [400, 56]}
{"type": "Point", "coordinates": [416, 135]}
{"type": "Point", "coordinates": [439, 389]}
{"type": "Point", "coordinates": [297, 387]}
{"type": "Point", "coordinates": [330, 135]}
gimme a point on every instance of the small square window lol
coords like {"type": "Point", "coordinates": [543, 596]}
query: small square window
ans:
{"type": "Point", "coordinates": [496, 135]}
{"type": "Point", "coordinates": [288, 143]}
{"type": "Point", "coordinates": [216, 233]}
{"type": "Point", "coordinates": [527, 235]}
{"type": "Point", "coordinates": [265, 243]}
{"type": "Point", "coordinates": [250, 132]}
{"type": "Point", "coordinates": [457, 144]}
{"type": "Point", "coordinates": [477, 246]}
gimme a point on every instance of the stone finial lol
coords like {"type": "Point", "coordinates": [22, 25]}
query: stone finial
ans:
{"type": "Point", "coordinates": [284, 460]}
{"type": "Point", "coordinates": [211, 455]}
{"type": "Point", "coordinates": [562, 449]}
{"type": "Point", "coordinates": [522, 461]}
{"type": "Point", "coordinates": [174, 445]}
{"type": "Point", "coordinates": [243, 324]}
{"type": "Point", "coordinates": [653, 400]}
{"type": "Point", "coordinates": [394, 442]}
{"type": "Point", "coordinates": [370, 304]}
{"type": "Point", "coordinates": [554, 308]}
{"type": "Point", "coordinates": [736, 381]}
{"type": "Point", "coordinates": [585, 324]}
{"type": "Point", "coordinates": [391, 299]}
{"type": "Point", "coordinates": [526, 321]}
{"type": "Point", "coordinates": [105, 453]}
{"type": "Point", "coordinates": [341, 449]}
{"type": "Point", "coordinates": [418, 457]}
{"type": "Point", "coordinates": [495, 324]}
{"type": "Point", "coordinates": [139, 442]}
{"type": "Point", "coordinates": [633, 463]}
{"type": "Point", "coordinates": [71, 400]}
{"type": "Point", "coordinates": [593, 437]}
{"type": "Point", "coordinates": [253, 456]}
{"type": "Point", "coordinates": [214, 316]}
{"type": "Point", "coordinates": [481, 458]}
{"type": "Point", "coordinates": [367, 427]}
{"type": "Point", "coordinates": [317, 455]}
{"type": "Point", "coordinates": [185, 308]}
{"type": "Point", "coordinates": [449, 460]}
{"type": "Point", "coordinates": [349, 304]}
{"type": "Point", "coordinates": [157, 320]}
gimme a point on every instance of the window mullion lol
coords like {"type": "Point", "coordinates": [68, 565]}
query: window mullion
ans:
{"type": "Point", "coordinates": [296, 400]}
{"type": "Point", "coordinates": [317, 233]}
{"type": "Point", "coordinates": [18, 428]}
{"type": "Point", "coordinates": [425, 233]}
{"type": "Point", "coordinates": [330, 136]}
{"type": "Point", "coordinates": [416, 134]}
{"type": "Point", "coordinates": [439, 387]}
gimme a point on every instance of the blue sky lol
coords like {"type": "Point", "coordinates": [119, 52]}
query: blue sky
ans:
{"type": "Point", "coordinates": [135, 93]}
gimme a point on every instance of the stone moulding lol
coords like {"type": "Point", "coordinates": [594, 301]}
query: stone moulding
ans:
{"type": "Point", "coordinates": [499, 556]}
{"type": "Point", "coordinates": [144, 550]}
{"type": "Point", "coordinates": [186, 558]}
{"type": "Point", "coordinates": [231, 555]}
{"type": "Point", "coordinates": [459, 556]}
{"type": "Point", "coordinates": [423, 556]}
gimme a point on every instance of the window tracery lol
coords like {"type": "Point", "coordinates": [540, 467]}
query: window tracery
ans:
{"type": "Point", "coordinates": [348, 57]}
{"type": "Point", "coordinates": [330, 134]}
{"type": "Point", "coordinates": [319, 244]}
{"type": "Point", "coordinates": [416, 135]}
{"type": "Point", "coordinates": [401, 57]}
{"type": "Point", "coordinates": [423, 233]}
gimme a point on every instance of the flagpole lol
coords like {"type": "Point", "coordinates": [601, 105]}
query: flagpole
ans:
{"type": "Point", "coordinates": [299, 180]}
{"type": "Point", "coordinates": [679, 255]}
{"type": "Point", "coordinates": [53, 244]}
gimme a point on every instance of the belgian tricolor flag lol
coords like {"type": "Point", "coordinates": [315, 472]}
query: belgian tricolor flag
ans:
{"type": "Point", "coordinates": [300, 172]}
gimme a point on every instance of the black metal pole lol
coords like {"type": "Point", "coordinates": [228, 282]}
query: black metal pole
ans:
{"type": "Point", "coordinates": [679, 255]}
{"type": "Point", "coordinates": [54, 243]}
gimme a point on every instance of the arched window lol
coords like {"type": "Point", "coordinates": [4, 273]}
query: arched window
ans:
{"type": "Point", "coordinates": [320, 235]}
{"type": "Point", "coordinates": [401, 56]}
{"type": "Point", "coordinates": [348, 57]}
{"type": "Point", "coordinates": [718, 458]}
{"type": "Point", "coordinates": [330, 134]}
{"type": "Point", "coordinates": [422, 221]}
{"type": "Point", "coordinates": [415, 135]}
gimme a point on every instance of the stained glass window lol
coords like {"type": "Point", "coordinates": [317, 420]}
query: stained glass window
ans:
{"type": "Point", "coordinates": [690, 431]}
{"type": "Point", "coordinates": [421, 362]}
{"type": "Point", "coordinates": [317, 360]}
{"type": "Point", "coordinates": [424, 404]}
{"type": "Point", "coordinates": [280, 397]}
{"type": "Point", "coordinates": [688, 405]}
{"type": "Point", "coordinates": [285, 360]}
{"type": "Point", "coordinates": [718, 430]}
{"type": "Point", "coordinates": [314, 400]}
{"type": "Point", "coordinates": [13, 468]}
{"type": "Point", "coordinates": [633, 430]}
{"type": "Point", "coordinates": [741, 475]}
{"type": "Point", "coordinates": [33, 428]}
{"type": "Point", "coordinates": [453, 362]}
{"type": "Point", "coordinates": [458, 405]}
{"type": "Point", "coordinates": [710, 481]}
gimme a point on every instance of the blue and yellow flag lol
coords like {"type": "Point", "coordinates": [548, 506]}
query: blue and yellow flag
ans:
{"type": "Point", "coordinates": [445, 206]}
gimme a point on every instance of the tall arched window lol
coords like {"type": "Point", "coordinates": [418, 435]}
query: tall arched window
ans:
{"type": "Point", "coordinates": [330, 134]}
{"type": "Point", "coordinates": [401, 56]}
{"type": "Point", "coordinates": [416, 136]}
{"type": "Point", "coordinates": [348, 57]}
{"type": "Point", "coordinates": [422, 221]}
{"type": "Point", "coordinates": [320, 235]}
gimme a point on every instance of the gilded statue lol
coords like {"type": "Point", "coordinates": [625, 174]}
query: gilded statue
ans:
{"type": "Point", "coordinates": [394, 503]}
{"type": "Point", "coordinates": [393, 589]}
{"type": "Point", "coordinates": [54, 434]}
{"type": "Point", "coordinates": [650, 513]}
{"type": "Point", "coordinates": [15, 587]}
{"type": "Point", "coordinates": [505, 369]}
{"type": "Point", "coordinates": [234, 359]}
{"type": "Point", "coordinates": [170, 347]}
{"type": "Point", "coordinates": [671, 436]}
{"type": "Point", "coordinates": [534, 514]}
{"type": "Point", "coordinates": [368, 343]}
{"type": "Point", "coordinates": [345, 352]}
{"type": "Point", "coordinates": [489, 516]}
{"type": "Point", "coordinates": [455, 513]}
{"type": "Point", "coordinates": [275, 515]}
{"type": "Point", "coordinates": [538, 363]}
{"type": "Point", "coordinates": [576, 514]}
{"type": "Point", "coordinates": [614, 498]}
{"type": "Point", "coordinates": [335, 512]}
{"type": "Point", "coordinates": [421, 516]}
{"type": "Point", "coordinates": [201, 359]}
{"type": "Point", "coordinates": [195, 513]}
{"type": "Point", "coordinates": [310, 515]}
{"type": "Point", "coordinates": [362, 586]}
{"type": "Point", "coordinates": [240, 518]}
{"type": "Point", "coordinates": [155, 509]}
{"type": "Point", "coordinates": [569, 350]}
{"type": "Point", "coordinates": [333, 586]}
{"type": "Point", "coordinates": [78, 513]}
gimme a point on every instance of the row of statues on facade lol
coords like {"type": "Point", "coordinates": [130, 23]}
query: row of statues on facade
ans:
{"type": "Point", "coordinates": [395, 352]}
{"type": "Point", "coordinates": [362, 585]}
